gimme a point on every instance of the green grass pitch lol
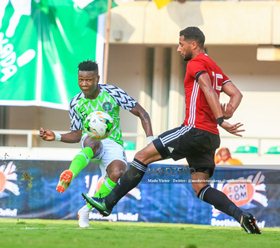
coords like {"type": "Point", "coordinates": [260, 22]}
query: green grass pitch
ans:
{"type": "Point", "coordinates": [33, 233]}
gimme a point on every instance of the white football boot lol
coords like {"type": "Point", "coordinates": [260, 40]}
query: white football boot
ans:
{"type": "Point", "coordinates": [83, 216]}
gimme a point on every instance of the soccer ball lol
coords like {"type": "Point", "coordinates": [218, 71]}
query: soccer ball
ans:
{"type": "Point", "coordinates": [99, 125]}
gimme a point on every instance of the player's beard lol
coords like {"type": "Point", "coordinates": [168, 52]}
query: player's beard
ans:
{"type": "Point", "coordinates": [188, 57]}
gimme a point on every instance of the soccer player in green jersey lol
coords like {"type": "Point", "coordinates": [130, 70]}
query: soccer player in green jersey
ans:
{"type": "Point", "coordinates": [110, 151]}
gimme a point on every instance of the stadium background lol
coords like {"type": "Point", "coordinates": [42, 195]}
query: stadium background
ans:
{"type": "Point", "coordinates": [144, 62]}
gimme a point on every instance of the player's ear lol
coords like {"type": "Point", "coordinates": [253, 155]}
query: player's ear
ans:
{"type": "Point", "coordinates": [194, 44]}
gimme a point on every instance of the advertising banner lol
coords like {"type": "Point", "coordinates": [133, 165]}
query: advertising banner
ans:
{"type": "Point", "coordinates": [27, 190]}
{"type": "Point", "coordinates": [41, 44]}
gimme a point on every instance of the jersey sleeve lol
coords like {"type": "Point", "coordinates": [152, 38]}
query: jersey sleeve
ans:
{"type": "Point", "coordinates": [226, 79]}
{"type": "Point", "coordinates": [76, 122]}
{"type": "Point", "coordinates": [121, 97]}
{"type": "Point", "coordinates": [195, 67]}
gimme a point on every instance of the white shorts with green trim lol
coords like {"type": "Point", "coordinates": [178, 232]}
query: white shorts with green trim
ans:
{"type": "Point", "coordinates": [108, 152]}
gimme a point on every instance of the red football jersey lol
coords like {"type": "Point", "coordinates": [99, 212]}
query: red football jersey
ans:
{"type": "Point", "coordinates": [198, 112]}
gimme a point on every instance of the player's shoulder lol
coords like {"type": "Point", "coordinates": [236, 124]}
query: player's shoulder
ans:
{"type": "Point", "coordinates": [208, 59]}
{"type": "Point", "coordinates": [76, 98]}
{"type": "Point", "coordinates": [119, 95]}
{"type": "Point", "coordinates": [109, 87]}
{"type": "Point", "coordinates": [112, 90]}
{"type": "Point", "coordinates": [201, 57]}
{"type": "Point", "coordinates": [205, 59]}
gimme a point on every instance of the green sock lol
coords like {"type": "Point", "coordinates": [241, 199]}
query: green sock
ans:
{"type": "Point", "coordinates": [81, 160]}
{"type": "Point", "coordinates": [105, 189]}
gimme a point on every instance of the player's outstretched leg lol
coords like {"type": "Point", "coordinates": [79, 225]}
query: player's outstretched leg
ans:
{"type": "Point", "coordinates": [64, 181]}
{"type": "Point", "coordinates": [221, 202]}
{"type": "Point", "coordinates": [79, 162]}
{"type": "Point", "coordinates": [249, 224]}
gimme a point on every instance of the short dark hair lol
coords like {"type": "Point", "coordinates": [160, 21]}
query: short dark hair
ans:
{"type": "Point", "coordinates": [193, 33]}
{"type": "Point", "coordinates": [88, 65]}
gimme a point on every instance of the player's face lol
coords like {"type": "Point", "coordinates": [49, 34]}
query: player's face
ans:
{"type": "Point", "coordinates": [88, 82]}
{"type": "Point", "coordinates": [185, 48]}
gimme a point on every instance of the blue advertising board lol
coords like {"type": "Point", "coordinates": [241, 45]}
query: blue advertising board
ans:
{"type": "Point", "coordinates": [27, 190]}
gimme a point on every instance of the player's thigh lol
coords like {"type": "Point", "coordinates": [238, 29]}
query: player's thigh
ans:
{"type": "Point", "coordinates": [112, 152]}
{"type": "Point", "coordinates": [202, 162]}
{"type": "Point", "coordinates": [148, 155]}
{"type": "Point", "coordinates": [198, 160]}
{"type": "Point", "coordinates": [201, 157]}
{"type": "Point", "coordinates": [175, 143]}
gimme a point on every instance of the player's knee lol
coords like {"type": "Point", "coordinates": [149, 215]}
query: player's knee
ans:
{"type": "Point", "coordinates": [116, 170]}
{"type": "Point", "coordinates": [114, 175]}
{"type": "Point", "coordinates": [197, 187]}
{"type": "Point", "coordinates": [95, 145]}
{"type": "Point", "coordinates": [200, 179]}
{"type": "Point", "coordinates": [142, 156]}
{"type": "Point", "coordinates": [148, 154]}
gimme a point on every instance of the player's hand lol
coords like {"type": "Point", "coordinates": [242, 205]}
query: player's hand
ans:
{"type": "Point", "coordinates": [227, 110]}
{"type": "Point", "coordinates": [47, 134]}
{"type": "Point", "coordinates": [233, 128]}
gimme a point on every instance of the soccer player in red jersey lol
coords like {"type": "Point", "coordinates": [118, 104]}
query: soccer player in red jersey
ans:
{"type": "Point", "coordinates": [197, 139]}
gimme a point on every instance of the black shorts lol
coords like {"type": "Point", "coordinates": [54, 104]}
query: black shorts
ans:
{"type": "Point", "coordinates": [196, 145]}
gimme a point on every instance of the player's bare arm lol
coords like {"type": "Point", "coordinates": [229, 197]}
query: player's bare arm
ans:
{"type": "Point", "coordinates": [211, 96]}
{"type": "Point", "coordinates": [235, 98]}
{"type": "Point", "coordinates": [140, 112]}
{"type": "Point", "coordinates": [71, 137]}
{"type": "Point", "coordinates": [213, 101]}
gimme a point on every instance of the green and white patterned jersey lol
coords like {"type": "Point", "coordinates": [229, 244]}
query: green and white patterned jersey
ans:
{"type": "Point", "coordinates": [109, 100]}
